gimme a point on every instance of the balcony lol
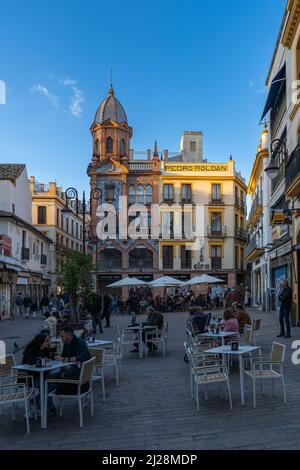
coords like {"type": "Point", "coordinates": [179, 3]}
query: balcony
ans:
{"type": "Point", "coordinates": [186, 201]}
{"type": "Point", "coordinates": [240, 204]}
{"type": "Point", "coordinates": [25, 253]}
{"type": "Point", "coordinates": [140, 167]}
{"type": "Point", "coordinates": [216, 232]}
{"type": "Point", "coordinates": [169, 202]}
{"type": "Point", "coordinates": [241, 234]}
{"type": "Point", "coordinates": [293, 174]}
{"type": "Point", "coordinates": [253, 250]}
{"type": "Point", "coordinates": [256, 208]}
{"type": "Point", "coordinates": [44, 260]}
{"type": "Point", "coordinates": [216, 201]}
{"type": "Point", "coordinates": [216, 263]}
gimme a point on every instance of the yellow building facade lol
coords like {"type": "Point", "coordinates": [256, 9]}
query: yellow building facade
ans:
{"type": "Point", "coordinates": [203, 220]}
{"type": "Point", "coordinates": [64, 231]}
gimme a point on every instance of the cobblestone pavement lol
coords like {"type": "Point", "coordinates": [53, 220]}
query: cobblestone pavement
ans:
{"type": "Point", "coordinates": [152, 409]}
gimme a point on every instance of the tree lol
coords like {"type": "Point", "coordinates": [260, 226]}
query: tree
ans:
{"type": "Point", "coordinates": [76, 277]}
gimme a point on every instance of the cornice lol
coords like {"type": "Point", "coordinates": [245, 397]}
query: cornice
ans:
{"type": "Point", "coordinates": [292, 23]}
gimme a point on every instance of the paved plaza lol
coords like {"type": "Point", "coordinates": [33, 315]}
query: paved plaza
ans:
{"type": "Point", "coordinates": [152, 409]}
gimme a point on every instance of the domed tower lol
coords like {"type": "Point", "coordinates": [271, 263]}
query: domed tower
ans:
{"type": "Point", "coordinates": [110, 131]}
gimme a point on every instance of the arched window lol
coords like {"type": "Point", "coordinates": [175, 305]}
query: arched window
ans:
{"type": "Point", "coordinates": [149, 194]}
{"type": "Point", "coordinates": [109, 145]}
{"type": "Point", "coordinates": [140, 194]}
{"type": "Point", "coordinates": [122, 147]}
{"type": "Point", "coordinates": [131, 194]}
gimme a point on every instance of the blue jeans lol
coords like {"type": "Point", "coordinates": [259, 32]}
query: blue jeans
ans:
{"type": "Point", "coordinates": [285, 318]}
{"type": "Point", "coordinates": [51, 387]}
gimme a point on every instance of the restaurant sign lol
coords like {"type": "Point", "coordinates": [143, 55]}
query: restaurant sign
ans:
{"type": "Point", "coordinates": [278, 217]}
{"type": "Point", "coordinates": [196, 167]}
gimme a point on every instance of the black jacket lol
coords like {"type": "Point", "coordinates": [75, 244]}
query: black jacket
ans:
{"type": "Point", "coordinates": [77, 348]}
{"type": "Point", "coordinates": [286, 299]}
{"type": "Point", "coordinates": [95, 306]}
{"type": "Point", "coordinates": [31, 354]}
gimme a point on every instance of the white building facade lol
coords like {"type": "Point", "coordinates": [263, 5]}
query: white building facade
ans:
{"type": "Point", "coordinates": [25, 261]}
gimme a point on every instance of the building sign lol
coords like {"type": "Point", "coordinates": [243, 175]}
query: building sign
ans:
{"type": "Point", "coordinates": [197, 167]}
{"type": "Point", "coordinates": [277, 217]}
{"type": "Point", "coordinates": [145, 277]}
{"type": "Point", "coordinates": [109, 277]}
{"type": "Point", "coordinates": [278, 231]}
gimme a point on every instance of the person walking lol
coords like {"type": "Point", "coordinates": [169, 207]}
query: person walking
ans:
{"type": "Point", "coordinates": [247, 298]}
{"type": "Point", "coordinates": [19, 304]}
{"type": "Point", "coordinates": [27, 303]}
{"type": "Point", "coordinates": [94, 307]}
{"type": "Point", "coordinates": [34, 306]}
{"type": "Point", "coordinates": [44, 303]}
{"type": "Point", "coordinates": [285, 299]}
{"type": "Point", "coordinates": [106, 309]}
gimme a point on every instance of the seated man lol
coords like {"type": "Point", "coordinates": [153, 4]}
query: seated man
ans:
{"type": "Point", "coordinates": [154, 319]}
{"type": "Point", "coordinates": [74, 349]}
{"type": "Point", "coordinates": [200, 319]}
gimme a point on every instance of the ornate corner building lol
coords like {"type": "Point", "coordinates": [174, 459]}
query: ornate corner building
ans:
{"type": "Point", "coordinates": [178, 184]}
{"type": "Point", "coordinates": [115, 174]}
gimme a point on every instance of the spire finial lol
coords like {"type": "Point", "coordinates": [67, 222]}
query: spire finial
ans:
{"type": "Point", "coordinates": [155, 150]}
{"type": "Point", "coordinates": [111, 90]}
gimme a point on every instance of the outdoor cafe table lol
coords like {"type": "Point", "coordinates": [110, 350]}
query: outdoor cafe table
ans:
{"type": "Point", "coordinates": [222, 335]}
{"type": "Point", "coordinates": [51, 365]}
{"type": "Point", "coordinates": [139, 328]}
{"type": "Point", "coordinates": [227, 351]}
{"type": "Point", "coordinates": [99, 343]}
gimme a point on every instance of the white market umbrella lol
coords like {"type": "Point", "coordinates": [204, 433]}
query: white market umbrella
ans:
{"type": "Point", "coordinates": [204, 279]}
{"type": "Point", "coordinates": [128, 282]}
{"type": "Point", "coordinates": [165, 281]}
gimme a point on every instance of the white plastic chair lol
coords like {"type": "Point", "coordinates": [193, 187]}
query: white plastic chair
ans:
{"type": "Point", "coordinates": [12, 394]}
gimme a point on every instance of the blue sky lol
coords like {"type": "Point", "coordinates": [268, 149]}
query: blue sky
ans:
{"type": "Point", "coordinates": [177, 65]}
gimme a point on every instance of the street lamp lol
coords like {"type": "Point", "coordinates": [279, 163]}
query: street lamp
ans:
{"type": "Point", "coordinates": [82, 208]}
{"type": "Point", "coordinates": [278, 146]}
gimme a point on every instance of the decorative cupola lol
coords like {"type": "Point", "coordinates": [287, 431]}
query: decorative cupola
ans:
{"type": "Point", "coordinates": [110, 131]}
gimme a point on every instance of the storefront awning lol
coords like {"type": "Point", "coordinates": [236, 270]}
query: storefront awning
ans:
{"type": "Point", "coordinates": [274, 90]}
{"type": "Point", "coordinates": [12, 267]}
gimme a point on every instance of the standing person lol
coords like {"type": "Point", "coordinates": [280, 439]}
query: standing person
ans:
{"type": "Point", "coordinates": [106, 309]}
{"type": "Point", "coordinates": [44, 303]}
{"type": "Point", "coordinates": [114, 304]}
{"type": "Point", "coordinates": [285, 299]}
{"type": "Point", "coordinates": [132, 307]}
{"type": "Point", "coordinates": [94, 307]}
{"type": "Point", "coordinates": [247, 298]}
{"type": "Point", "coordinates": [34, 306]}
{"type": "Point", "coordinates": [233, 297]}
{"type": "Point", "coordinates": [19, 304]}
{"type": "Point", "coordinates": [60, 303]}
{"type": "Point", "coordinates": [27, 303]}
{"type": "Point", "coordinates": [53, 301]}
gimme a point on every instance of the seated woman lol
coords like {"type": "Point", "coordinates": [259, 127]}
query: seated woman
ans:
{"type": "Point", "coordinates": [39, 347]}
{"type": "Point", "coordinates": [242, 317]}
{"type": "Point", "coordinates": [231, 324]}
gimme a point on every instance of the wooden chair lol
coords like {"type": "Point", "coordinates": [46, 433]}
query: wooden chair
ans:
{"type": "Point", "coordinates": [85, 377]}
